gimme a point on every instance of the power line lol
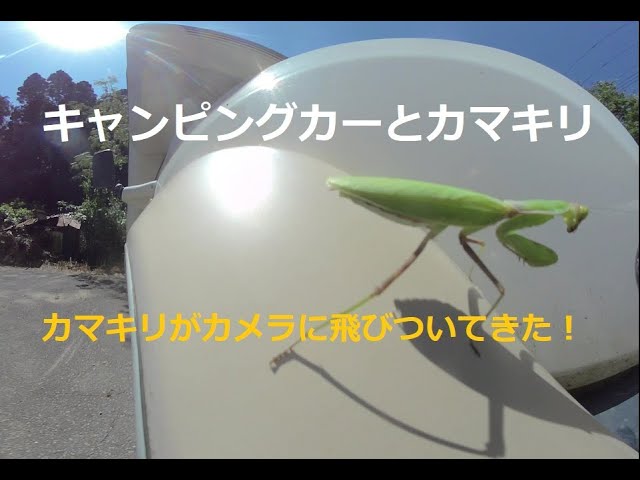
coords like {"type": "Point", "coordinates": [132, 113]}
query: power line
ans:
{"type": "Point", "coordinates": [628, 74]}
{"type": "Point", "coordinates": [632, 90]}
{"type": "Point", "coordinates": [630, 81]}
{"type": "Point", "coordinates": [625, 76]}
{"type": "Point", "coordinates": [597, 43]}
{"type": "Point", "coordinates": [609, 61]}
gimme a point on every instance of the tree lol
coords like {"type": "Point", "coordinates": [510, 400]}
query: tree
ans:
{"type": "Point", "coordinates": [33, 100]}
{"type": "Point", "coordinates": [623, 106]}
{"type": "Point", "coordinates": [102, 214]}
{"type": "Point", "coordinates": [60, 88]}
{"type": "Point", "coordinates": [83, 93]}
{"type": "Point", "coordinates": [5, 145]}
{"type": "Point", "coordinates": [107, 84]}
{"type": "Point", "coordinates": [114, 102]}
{"type": "Point", "coordinates": [36, 164]}
{"type": "Point", "coordinates": [5, 112]}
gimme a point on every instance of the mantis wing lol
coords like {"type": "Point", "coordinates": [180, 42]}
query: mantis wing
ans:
{"type": "Point", "coordinates": [414, 202]}
{"type": "Point", "coordinates": [532, 253]}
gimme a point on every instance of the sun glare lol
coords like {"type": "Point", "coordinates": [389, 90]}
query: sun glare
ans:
{"type": "Point", "coordinates": [78, 36]}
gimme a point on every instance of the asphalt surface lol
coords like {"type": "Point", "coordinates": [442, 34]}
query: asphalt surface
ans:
{"type": "Point", "coordinates": [69, 399]}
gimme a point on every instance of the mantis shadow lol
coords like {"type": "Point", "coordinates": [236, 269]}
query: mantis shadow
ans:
{"type": "Point", "coordinates": [492, 370]}
{"type": "Point", "coordinates": [380, 413]}
{"type": "Point", "coordinates": [486, 366]}
{"type": "Point", "coordinates": [495, 446]}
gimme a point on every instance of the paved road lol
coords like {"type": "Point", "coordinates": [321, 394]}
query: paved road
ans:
{"type": "Point", "coordinates": [69, 399]}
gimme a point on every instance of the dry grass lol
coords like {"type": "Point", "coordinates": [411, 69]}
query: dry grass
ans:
{"type": "Point", "coordinates": [71, 266]}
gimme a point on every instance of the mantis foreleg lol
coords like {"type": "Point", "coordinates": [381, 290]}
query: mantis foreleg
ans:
{"type": "Point", "coordinates": [530, 252]}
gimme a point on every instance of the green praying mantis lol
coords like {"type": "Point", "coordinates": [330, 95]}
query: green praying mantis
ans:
{"type": "Point", "coordinates": [435, 207]}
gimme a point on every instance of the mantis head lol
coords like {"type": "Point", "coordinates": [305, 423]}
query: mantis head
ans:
{"type": "Point", "coordinates": [574, 216]}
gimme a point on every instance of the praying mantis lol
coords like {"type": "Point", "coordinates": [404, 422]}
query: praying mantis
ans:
{"type": "Point", "coordinates": [435, 207]}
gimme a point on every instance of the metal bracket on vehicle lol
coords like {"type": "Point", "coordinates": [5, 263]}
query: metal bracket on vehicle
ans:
{"type": "Point", "coordinates": [137, 194]}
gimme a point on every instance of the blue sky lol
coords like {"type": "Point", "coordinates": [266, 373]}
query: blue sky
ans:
{"type": "Point", "coordinates": [583, 51]}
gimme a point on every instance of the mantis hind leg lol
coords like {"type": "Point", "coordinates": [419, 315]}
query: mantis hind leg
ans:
{"type": "Point", "coordinates": [433, 232]}
{"type": "Point", "coordinates": [464, 241]}
{"type": "Point", "coordinates": [482, 245]}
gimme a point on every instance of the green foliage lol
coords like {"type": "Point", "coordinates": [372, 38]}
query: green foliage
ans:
{"type": "Point", "coordinates": [103, 226]}
{"type": "Point", "coordinates": [5, 112]}
{"type": "Point", "coordinates": [82, 170]}
{"type": "Point", "coordinates": [623, 106]}
{"type": "Point", "coordinates": [103, 218]}
{"type": "Point", "coordinates": [15, 212]}
{"type": "Point", "coordinates": [107, 84]}
{"type": "Point", "coordinates": [18, 247]}
{"type": "Point", "coordinates": [117, 140]}
{"type": "Point", "coordinates": [102, 214]}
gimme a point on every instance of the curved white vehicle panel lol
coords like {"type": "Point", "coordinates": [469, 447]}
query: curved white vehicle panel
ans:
{"type": "Point", "coordinates": [247, 226]}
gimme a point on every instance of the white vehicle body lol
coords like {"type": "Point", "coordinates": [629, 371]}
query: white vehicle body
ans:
{"type": "Point", "coordinates": [247, 226]}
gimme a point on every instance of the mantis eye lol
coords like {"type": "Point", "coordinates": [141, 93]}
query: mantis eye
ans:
{"type": "Point", "coordinates": [583, 212]}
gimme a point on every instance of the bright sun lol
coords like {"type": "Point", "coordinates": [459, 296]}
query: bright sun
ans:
{"type": "Point", "coordinates": [78, 36]}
